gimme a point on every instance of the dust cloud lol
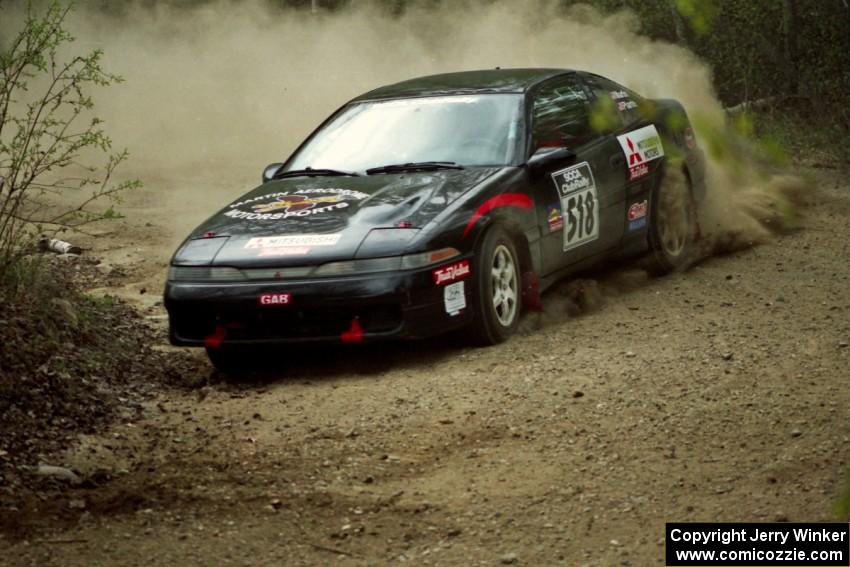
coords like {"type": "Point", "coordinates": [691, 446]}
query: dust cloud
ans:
{"type": "Point", "coordinates": [744, 209]}
{"type": "Point", "coordinates": [239, 84]}
{"type": "Point", "coordinates": [213, 93]}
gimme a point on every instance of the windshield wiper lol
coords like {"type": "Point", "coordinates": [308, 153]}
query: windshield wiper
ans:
{"type": "Point", "coordinates": [310, 172]}
{"type": "Point", "coordinates": [416, 166]}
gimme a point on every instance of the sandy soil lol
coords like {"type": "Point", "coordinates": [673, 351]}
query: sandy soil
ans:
{"type": "Point", "coordinates": [720, 394]}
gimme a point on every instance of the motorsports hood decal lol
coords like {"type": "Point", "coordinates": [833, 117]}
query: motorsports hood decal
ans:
{"type": "Point", "coordinates": [296, 203]}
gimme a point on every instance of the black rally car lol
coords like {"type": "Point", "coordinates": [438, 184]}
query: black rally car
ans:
{"type": "Point", "coordinates": [437, 203]}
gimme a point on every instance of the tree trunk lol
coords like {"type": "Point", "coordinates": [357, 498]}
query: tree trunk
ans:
{"type": "Point", "coordinates": [789, 45]}
{"type": "Point", "coordinates": [679, 23]}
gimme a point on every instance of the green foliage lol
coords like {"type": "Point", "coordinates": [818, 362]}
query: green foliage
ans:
{"type": "Point", "coordinates": [111, 214]}
{"type": "Point", "coordinates": [787, 133]}
{"type": "Point", "coordinates": [759, 48]}
{"type": "Point", "coordinates": [105, 301]}
{"type": "Point", "coordinates": [604, 116]}
{"type": "Point", "coordinates": [789, 55]}
{"type": "Point", "coordinates": [756, 48]}
{"type": "Point", "coordinates": [700, 14]}
{"type": "Point", "coordinates": [46, 125]}
{"type": "Point", "coordinates": [26, 284]}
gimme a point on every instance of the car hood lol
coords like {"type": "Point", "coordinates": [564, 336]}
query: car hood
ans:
{"type": "Point", "coordinates": [325, 218]}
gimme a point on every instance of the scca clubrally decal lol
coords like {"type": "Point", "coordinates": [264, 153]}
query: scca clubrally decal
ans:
{"type": "Point", "coordinates": [641, 147]}
{"type": "Point", "coordinates": [297, 203]}
{"type": "Point", "coordinates": [579, 204]}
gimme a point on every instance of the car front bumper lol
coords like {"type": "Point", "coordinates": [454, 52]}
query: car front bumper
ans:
{"type": "Point", "coordinates": [342, 309]}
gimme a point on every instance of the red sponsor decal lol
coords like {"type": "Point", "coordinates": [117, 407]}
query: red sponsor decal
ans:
{"type": "Point", "coordinates": [285, 251]}
{"type": "Point", "coordinates": [638, 171]}
{"type": "Point", "coordinates": [637, 210]}
{"type": "Point", "coordinates": [556, 219]}
{"type": "Point", "coordinates": [504, 200]}
{"type": "Point", "coordinates": [275, 299]}
{"type": "Point", "coordinates": [452, 272]}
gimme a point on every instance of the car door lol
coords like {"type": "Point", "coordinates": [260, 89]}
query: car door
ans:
{"type": "Point", "coordinates": [582, 201]}
{"type": "Point", "coordinates": [623, 113]}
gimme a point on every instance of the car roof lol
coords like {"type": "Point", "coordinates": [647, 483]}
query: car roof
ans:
{"type": "Point", "coordinates": [466, 82]}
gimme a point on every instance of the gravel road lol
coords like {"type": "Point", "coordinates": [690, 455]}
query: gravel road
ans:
{"type": "Point", "coordinates": [719, 394]}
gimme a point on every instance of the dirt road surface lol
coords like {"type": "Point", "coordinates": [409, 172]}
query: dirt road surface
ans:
{"type": "Point", "coordinates": [720, 394]}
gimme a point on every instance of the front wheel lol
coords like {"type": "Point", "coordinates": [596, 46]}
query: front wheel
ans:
{"type": "Point", "coordinates": [499, 292]}
{"type": "Point", "coordinates": [673, 229]}
{"type": "Point", "coordinates": [230, 360]}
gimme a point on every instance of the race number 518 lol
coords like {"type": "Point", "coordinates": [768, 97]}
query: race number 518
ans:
{"type": "Point", "coordinates": [579, 204]}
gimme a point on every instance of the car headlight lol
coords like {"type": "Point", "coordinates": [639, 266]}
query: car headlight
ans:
{"type": "Point", "coordinates": [389, 264]}
{"type": "Point", "coordinates": [413, 261]}
{"type": "Point", "coordinates": [200, 251]}
{"type": "Point", "coordinates": [359, 266]}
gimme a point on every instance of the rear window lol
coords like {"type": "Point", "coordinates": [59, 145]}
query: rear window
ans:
{"type": "Point", "coordinates": [614, 103]}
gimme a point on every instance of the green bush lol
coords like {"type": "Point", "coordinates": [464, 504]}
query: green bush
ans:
{"type": "Point", "coordinates": [47, 125]}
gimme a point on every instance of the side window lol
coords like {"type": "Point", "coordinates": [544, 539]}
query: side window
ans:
{"type": "Point", "coordinates": [614, 106]}
{"type": "Point", "coordinates": [561, 115]}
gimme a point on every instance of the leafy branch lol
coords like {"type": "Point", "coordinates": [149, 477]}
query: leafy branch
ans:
{"type": "Point", "coordinates": [46, 127]}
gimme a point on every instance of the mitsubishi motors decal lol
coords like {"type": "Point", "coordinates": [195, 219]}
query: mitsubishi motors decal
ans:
{"type": "Point", "coordinates": [641, 147]}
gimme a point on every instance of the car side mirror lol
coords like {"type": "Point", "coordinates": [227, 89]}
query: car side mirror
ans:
{"type": "Point", "coordinates": [549, 158]}
{"type": "Point", "coordinates": [270, 171]}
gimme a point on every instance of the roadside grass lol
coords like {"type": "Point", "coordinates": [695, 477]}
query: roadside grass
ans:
{"type": "Point", "coordinates": [817, 137]}
{"type": "Point", "coordinates": [70, 362]}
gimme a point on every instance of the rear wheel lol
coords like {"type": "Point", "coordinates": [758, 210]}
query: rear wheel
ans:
{"type": "Point", "coordinates": [674, 225]}
{"type": "Point", "coordinates": [499, 291]}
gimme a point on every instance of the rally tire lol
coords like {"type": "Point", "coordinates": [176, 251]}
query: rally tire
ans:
{"type": "Point", "coordinates": [673, 224]}
{"type": "Point", "coordinates": [228, 360]}
{"type": "Point", "coordinates": [499, 298]}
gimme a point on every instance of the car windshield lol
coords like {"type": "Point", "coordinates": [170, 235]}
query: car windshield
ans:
{"type": "Point", "coordinates": [468, 130]}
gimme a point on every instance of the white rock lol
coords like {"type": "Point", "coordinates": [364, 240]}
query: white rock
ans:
{"type": "Point", "coordinates": [59, 473]}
